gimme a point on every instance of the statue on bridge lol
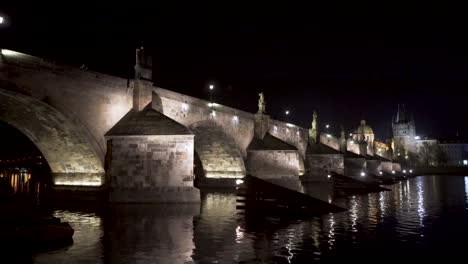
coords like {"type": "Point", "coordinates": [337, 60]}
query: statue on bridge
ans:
{"type": "Point", "coordinates": [313, 131]}
{"type": "Point", "coordinates": [261, 104]}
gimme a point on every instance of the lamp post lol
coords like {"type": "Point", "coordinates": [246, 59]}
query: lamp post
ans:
{"type": "Point", "coordinates": [286, 113]}
{"type": "Point", "coordinates": [211, 92]}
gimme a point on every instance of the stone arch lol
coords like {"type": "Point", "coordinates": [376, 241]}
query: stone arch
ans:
{"type": "Point", "coordinates": [218, 152]}
{"type": "Point", "coordinates": [71, 157]}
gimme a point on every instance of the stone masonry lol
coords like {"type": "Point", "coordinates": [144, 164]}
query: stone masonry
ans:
{"type": "Point", "coordinates": [151, 161]}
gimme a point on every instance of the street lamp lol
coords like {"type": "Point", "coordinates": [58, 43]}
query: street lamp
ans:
{"type": "Point", "coordinates": [287, 112]}
{"type": "Point", "coordinates": [327, 126]}
{"type": "Point", "coordinates": [211, 92]}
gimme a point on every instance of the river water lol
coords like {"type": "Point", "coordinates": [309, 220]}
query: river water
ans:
{"type": "Point", "coordinates": [421, 219]}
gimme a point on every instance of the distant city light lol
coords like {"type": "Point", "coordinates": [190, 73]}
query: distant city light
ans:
{"type": "Point", "coordinates": [410, 171]}
{"type": "Point", "coordinates": [393, 172]}
{"type": "Point", "coordinates": [417, 137]}
{"type": "Point", "coordinates": [380, 172]}
{"type": "Point", "coordinates": [327, 125]}
{"type": "Point", "coordinates": [211, 87]}
{"type": "Point", "coordinates": [465, 162]}
{"type": "Point", "coordinates": [328, 176]}
{"type": "Point", "coordinates": [363, 174]}
{"type": "Point", "coordinates": [287, 112]}
{"type": "Point", "coordinates": [1, 20]}
{"type": "Point", "coordinates": [404, 171]}
{"type": "Point", "coordinates": [350, 134]}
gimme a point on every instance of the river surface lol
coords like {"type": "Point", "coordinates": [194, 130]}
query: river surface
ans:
{"type": "Point", "coordinates": [421, 219]}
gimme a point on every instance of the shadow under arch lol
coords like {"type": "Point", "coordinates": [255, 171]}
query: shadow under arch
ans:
{"type": "Point", "coordinates": [71, 158]}
{"type": "Point", "coordinates": [219, 155]}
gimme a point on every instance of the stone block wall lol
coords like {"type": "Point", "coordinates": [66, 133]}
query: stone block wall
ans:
{"type": "Point", "coordinates": [354, 166]}
{"type": "Point", "coordinates": [291, 134]}
{"type": "Point", "coordinates": [352, 146]}
{"type": "Point", "coordinates": [189, 111]}
{"type": "Point", "coordinates": [396, 166]}
{"type": "Point", "coordinates": [386, 166]}
{"type": "Point", "coordinates": [266, 164]}
{"type": "Point", "coordinates": [71, 158]}
{"type": "Point", "coordinates": [218, 153]}
{"type": "Point", "coordinates": [374, 166]}
{"type": "Point", "coordinates": [152, 169]}
{"type": "Point", "coordinates": [329, 140]}
{"type": "Point", "coordinates": [92, 101]}
{"type": "Point", "coordinates": [320, 165]}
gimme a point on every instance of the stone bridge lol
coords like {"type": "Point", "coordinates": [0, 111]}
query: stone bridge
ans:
{"type": "Point", "coordinates": [93, 129]}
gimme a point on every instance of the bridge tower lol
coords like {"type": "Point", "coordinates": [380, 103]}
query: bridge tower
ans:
{"type": "Point", "coordinates": [404, 131]}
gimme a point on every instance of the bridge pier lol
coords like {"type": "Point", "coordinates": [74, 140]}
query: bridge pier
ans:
{"type": "Point", "coordinates": [151, 159]}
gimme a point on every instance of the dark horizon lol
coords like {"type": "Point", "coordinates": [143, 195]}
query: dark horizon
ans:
{"type": "Point", "coordinates": [347, 64]}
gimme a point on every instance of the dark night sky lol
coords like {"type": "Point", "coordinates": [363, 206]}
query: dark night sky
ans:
{"type": "Point", "coordinates": [348, 62]}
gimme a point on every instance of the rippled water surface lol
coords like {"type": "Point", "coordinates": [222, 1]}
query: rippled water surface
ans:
{"type": "Point", "coordinates": [422, 219]}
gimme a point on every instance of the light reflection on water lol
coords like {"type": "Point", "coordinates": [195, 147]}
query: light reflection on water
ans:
{"type": "Point", "coordinates": [466, 190]}
{"type": "Point", "coordinates": [416, 219]}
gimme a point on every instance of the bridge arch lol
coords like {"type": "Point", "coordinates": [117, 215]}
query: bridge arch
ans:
{"type": "Point", "coordinates": [217, 152]}
{"type": "Point", "coordinates": [71, 158]}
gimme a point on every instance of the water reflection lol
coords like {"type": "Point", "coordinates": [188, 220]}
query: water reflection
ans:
{"type": "Point", "coordinates": [21, 183]}
{"type": "Point", "coordinates": [466, 190]}
{"type": "Point", "coordinates": [421, 209]}
{"type": "Point", "coordinates": [150, 233]}
{"type": "Point", "coordinates": [87, 245]}
{"type": "Point", "coordinates": [417, 219]}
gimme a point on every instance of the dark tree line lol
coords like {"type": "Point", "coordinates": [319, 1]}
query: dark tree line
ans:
{"type": "Point", "coordinates": [428, 155]}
